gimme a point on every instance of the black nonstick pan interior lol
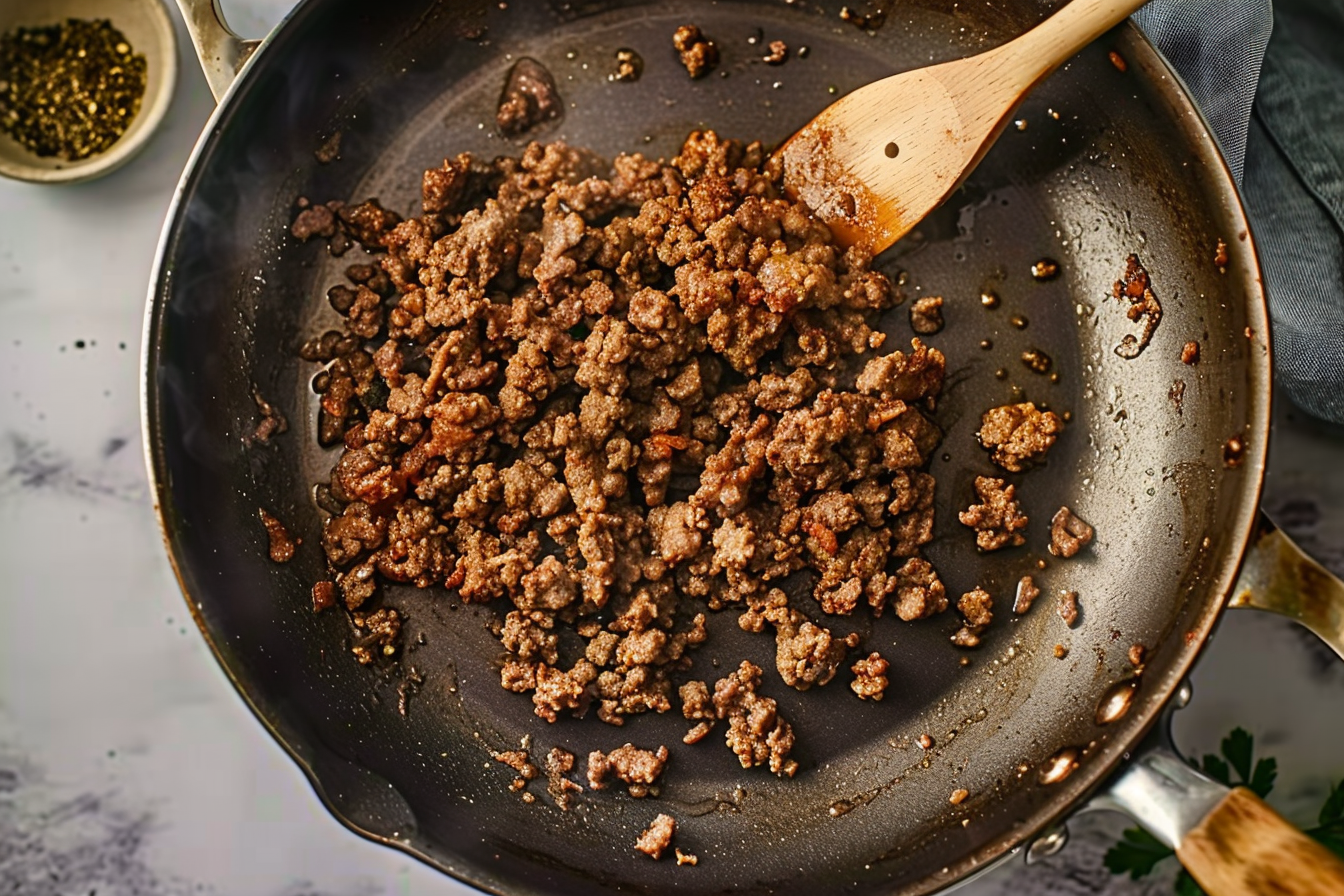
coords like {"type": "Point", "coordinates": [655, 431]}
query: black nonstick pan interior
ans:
{"type": "Point", "coordinates": [1106, 163]}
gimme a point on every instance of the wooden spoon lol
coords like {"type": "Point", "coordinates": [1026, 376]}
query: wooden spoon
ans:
{"type": "Point", "coordinates": [874, 163]}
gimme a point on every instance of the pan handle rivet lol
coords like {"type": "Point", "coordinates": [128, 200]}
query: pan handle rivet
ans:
{"type": "Point", "coordinates": [892, 150]}
{"type": "Point", "coordinates": [1046, 845]}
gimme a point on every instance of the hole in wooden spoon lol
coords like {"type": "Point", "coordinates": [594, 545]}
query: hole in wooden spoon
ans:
{"type": "Point", "coordinates": [892, 150]}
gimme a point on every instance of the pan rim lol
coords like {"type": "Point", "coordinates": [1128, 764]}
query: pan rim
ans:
{"type": "Point", "coordinates": [1067, 800]}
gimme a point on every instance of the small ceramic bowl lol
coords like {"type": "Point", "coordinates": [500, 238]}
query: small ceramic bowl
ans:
{"type": "Point", "coordinates": [149, 29]}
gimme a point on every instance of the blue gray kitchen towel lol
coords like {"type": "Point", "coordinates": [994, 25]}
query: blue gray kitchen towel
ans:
{"type": "Point", "coordinates": [1270, 80]}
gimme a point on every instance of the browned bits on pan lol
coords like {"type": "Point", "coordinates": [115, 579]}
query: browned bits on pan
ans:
{"type": "Point", "coordinates": [872, 20]}
{"type": "Point", "coordinates": [329, 151]}
{"type": "Point", "coordinates": [376, 633]}
{"type": "Point", "coordinates": [559, 763]}
{"type": "Point", "coordinates": [1234, 452]}
{"type": "Point", "coordinates": [1117, 60]}
{"type": "Point", "coordinates": [657, 837]}
{"type": "Point", "coordinates": [1045, 269]}
{"type": "Point", "coordinates": [1018, 321]}
{"type": "Point", "coordinates": [1137, 654]}
{"type": "Point", "coordinates": [324, 595]}
{"type": "Point", "coordinates": [1135, 287]}
{"type": "Point", "coordinates": [958, 796]}
{"type": "Point", "coordinates": [779, 52]}
{"type": "Point", "coordinates": [686, 858]}
{"type": "Point", "coordinates": [1061, 651]}
{"type": "Point", "coordinates": [1177, 395]}
{"type": "Point", "coordinates": [1220, 257]}
{"type": "Point", "coordinates": [987, 344]}
{"type": "Point", "coordinates": [989, 299]}
{"type": "Point", "coordinates": [1027, 592]}
{"type": "Point", "coordinates": [1037, 361]}
{"type": "Point", "coordinates": [998, 520]}
{"type": "Point", "coordinates": [870, 677]}
{"type": "Point", "coordinates": [281, 542]}
{"type": "Point", "coordinates": [1069, 534]}
{"type": "Point", "coordinates": [530, 98]}
{"type": "Point", "coordinates": [272, 421]}
{"type": "Point", "coordinates": [1190, 353]}
{"type": "Point", "coordinates": [926, 315]}
{"type": "Point", "coordinates": [1068, 607]}
{"type": "Point", "coordinates": [925, 742]}
{"type": "Point", "coordinates": [698, 53]}
{"type": "Point", "coordinates": [1001, 373]}
{"type": "Point", "coordinates": [629, 66]}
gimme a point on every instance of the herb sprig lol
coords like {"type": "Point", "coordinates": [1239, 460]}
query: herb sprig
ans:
{"type": "Point", "coordinates": [1139, 852]}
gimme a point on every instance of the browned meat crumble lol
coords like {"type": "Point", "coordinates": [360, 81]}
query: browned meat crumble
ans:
{"type": "Point", "coordinates": [1018, 435]}
{"type": "Point", "coordinates": [605, 394]}
{"type": "Point", "coordinates": [281, 544]}
{"type": "Point", "coordinates": [1068, 607]}
{"type": "Point", "coordinates": [870, 677]}
{"type": "Point", "coordinates": [698, 53]}
{"type": "Point", "coordinates": [559, 763]}
{"type": "Point", "coordinates": [976, 609]}
{"type": "Point", "coordinates": [1069, 534]}
{"type": "Point", "coordinates": [1026, 595]}
{"type": "Point", "coordinates": [639, 769]}
{"type": "Point", "coordinates": [998, 520]}
{"type": "Point", "coordinates": [658, 837]}
{"type": "Point", "coordinates": [926, 315]}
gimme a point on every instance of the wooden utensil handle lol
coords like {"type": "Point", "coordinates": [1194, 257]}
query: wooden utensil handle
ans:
{"type": "Point", "coordinates": [1060, 37]}
{"type": "Point", "coordinates": [1245, 848]}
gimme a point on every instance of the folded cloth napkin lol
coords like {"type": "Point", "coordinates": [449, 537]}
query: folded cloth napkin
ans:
{"type": "Point", "coordinates": [1270, 81]}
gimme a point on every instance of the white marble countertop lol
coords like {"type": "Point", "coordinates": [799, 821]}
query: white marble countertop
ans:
{"type": "Point", "coordinates": [128, 765]}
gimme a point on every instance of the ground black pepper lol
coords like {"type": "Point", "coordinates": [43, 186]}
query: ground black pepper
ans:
{"type": "Point", "coordinates": [69, 90]}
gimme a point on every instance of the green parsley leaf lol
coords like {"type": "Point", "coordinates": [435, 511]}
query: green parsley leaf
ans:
{"type": "Point", "coordinates": [1136, 854]}
{"type": "Point", "coordinates": [1186, 886]}
{"type": "Point", "coordinates": [1333, 810]}
{"type": "Point", "coordinates": [1331, 836]}
{"type": "Point", "coordinates": [1262, 782]}
{"type": "Point", "coordinates": [1217, 769]}
{"type": "Point", "coordinates": [1238, 748]}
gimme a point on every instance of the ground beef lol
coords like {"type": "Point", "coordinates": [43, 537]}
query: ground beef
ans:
{"type": "Point", "coordinates": [870, 677]}
{"type": "Point", "coordinates": [926, 315]}
{"type": "Point", "coordinates": [1018, 435]}
{"type": "Point", "coordinates": [610, 397]}
{"type": "Point", "coordinates": [1068, 533]}
{"type": "Point", "coordinates": [281, 543]}
{"type": "Point", "coordinates": [559, 763]}
{"type": "Point", "coordinates": [637, 768]}
{"type": "Point", "coordinates": [756, 732]}
{"type": "Point", "coordinates": [1027, 592]}
{"type": "Point", "coordinates": [698, 53]}
{"type": "Point", "coordinates": [805, 653]}
{"type": "Point", "coordinates": [976, 609]}
{"type": "Point", "coordinates": [530, 98]}
{"type": "Point", "coordinates": [997, 520]}
{"type": "Point", "coordinates": [658, 837]}
{"type": "Point", "coordinates": [1068, 607]}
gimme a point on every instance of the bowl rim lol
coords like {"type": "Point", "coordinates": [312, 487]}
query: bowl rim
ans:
{"type": "Point", "coordinates": [121, 152]}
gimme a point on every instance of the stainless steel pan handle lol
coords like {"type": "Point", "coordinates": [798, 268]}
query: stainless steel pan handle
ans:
{"type": "Point", "coordinates": [221, 51]}
{"type": "Point", "coordinates": [1228, 839]}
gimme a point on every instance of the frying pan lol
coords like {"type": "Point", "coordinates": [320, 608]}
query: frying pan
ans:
{"type": "Point", "coordinates": [1107, 162]}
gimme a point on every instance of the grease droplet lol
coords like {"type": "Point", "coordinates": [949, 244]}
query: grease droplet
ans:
{"type": "Point", "coordinates": [1115, 703]}
{"type": "Point", "coordinates": [1059, 766]}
